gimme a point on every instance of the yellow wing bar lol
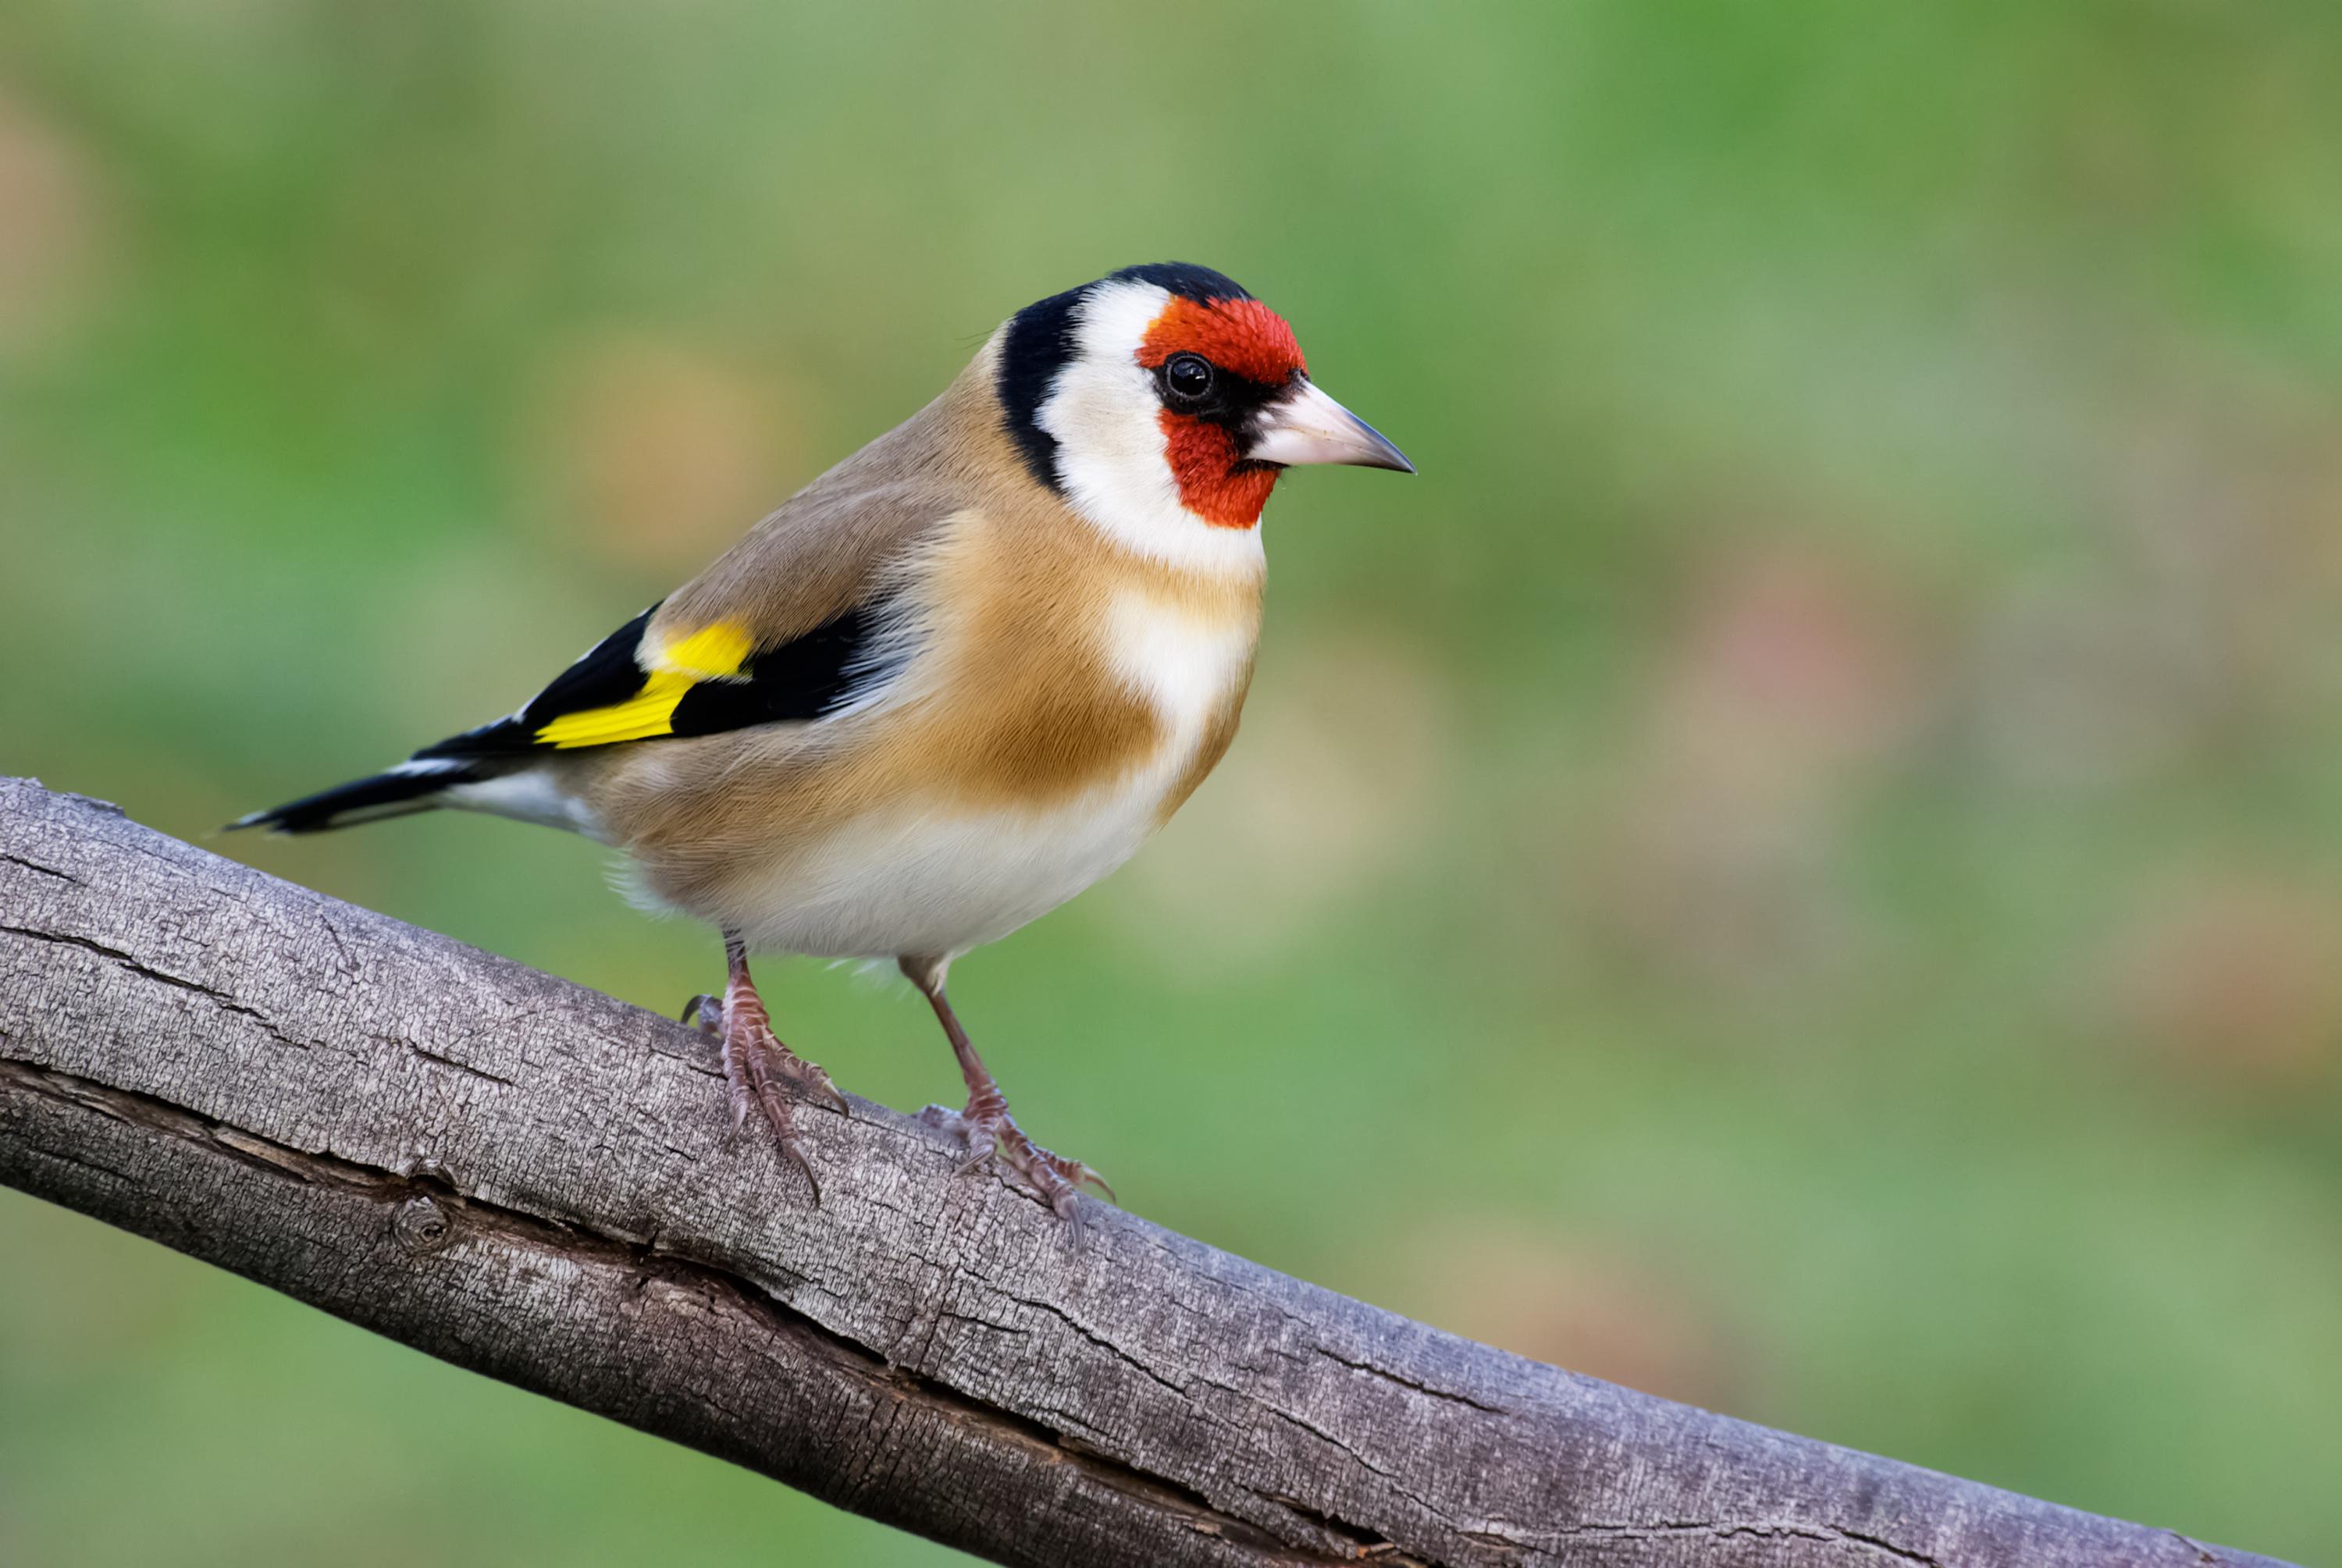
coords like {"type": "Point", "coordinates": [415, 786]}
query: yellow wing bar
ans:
{"type": "Point", "coordinates": [711, 654]}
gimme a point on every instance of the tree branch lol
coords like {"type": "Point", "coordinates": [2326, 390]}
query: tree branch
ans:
{"type": "Point", "coordinates": [538, 1183]}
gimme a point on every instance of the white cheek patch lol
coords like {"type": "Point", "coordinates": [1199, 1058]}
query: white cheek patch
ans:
{"type": "Point", "coordinates": [1107, 420]}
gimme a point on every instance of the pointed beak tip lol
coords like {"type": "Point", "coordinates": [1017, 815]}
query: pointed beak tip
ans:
{"type": "Point", "coordinates": [1312, 428]}
{"type": "Point", "coordinates": [1379, 453]}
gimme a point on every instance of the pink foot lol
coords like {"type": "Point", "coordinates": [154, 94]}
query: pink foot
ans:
{"type": "Point", "coordinates": [757, 1065]}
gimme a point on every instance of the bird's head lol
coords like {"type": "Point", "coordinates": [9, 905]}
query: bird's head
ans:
{"type": "Point", "coordinates": [1162, 401]}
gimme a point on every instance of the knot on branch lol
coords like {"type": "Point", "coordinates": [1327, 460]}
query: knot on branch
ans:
{"type": "Point", "coordinates": [421, 1227]}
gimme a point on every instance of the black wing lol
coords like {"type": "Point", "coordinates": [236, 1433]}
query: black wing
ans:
{"type": "Point", "coordinates": [610, 696]}
{"type": "Point", "coordinates": [712, 680]}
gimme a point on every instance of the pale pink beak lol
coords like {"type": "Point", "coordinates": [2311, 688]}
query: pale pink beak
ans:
{"type": "Point", "coordinates": [1308, 426]}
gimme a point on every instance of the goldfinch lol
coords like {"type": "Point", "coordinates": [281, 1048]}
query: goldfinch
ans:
{"type": "Point", "coordinates": [947, 686]}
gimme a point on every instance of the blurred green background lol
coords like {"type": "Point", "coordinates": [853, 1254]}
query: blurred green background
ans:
{"type": "Point", "coordinates": [1798, 866]}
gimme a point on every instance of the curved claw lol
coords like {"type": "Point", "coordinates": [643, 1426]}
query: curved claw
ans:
{"type": "Point", "coordinates": [995, 1139]}
{"type": "Point", "coordinates": [755, 1065]}
{"type": "Point", "coordinates": [789, 1147]}
{"type": "Point", "coordinates": [1081, 1176]}
{"type": "Point", "coordinates": [817, 1086]}
{"type": "Point", "coordinates": [770, 1100]}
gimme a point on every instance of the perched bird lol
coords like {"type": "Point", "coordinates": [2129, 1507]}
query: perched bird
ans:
{"type": "Point", "coordinates": [948, 685]}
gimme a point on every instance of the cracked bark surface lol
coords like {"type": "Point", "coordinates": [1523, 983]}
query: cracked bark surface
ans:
{"type": "Point", "coordinates": [533, 1180]}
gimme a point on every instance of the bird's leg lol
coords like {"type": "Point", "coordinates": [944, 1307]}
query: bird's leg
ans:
{"type": "Point", "coordinates": [983, 1126]}
{"type": "Point", "coordinates": [754, 1059]}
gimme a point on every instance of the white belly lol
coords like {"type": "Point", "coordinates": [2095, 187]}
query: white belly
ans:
{"type": "Point", "coordinates": [935, 884]}
{"type": "Point", "coordinates": [924, 878]}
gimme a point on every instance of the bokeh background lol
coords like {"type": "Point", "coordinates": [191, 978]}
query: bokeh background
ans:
{"type": "Point", "coordinates": [1798, 866]}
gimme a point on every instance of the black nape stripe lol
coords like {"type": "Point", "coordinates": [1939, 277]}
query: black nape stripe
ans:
{"type": "Point", "coordinates": [1040, 344]}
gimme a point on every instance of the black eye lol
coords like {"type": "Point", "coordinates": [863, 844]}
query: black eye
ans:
{"type": "Point", "coordinates": [1187, 378]}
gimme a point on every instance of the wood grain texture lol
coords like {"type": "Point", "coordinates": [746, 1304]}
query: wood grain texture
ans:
{"type": "Point", "coordinates": [533, 1180]}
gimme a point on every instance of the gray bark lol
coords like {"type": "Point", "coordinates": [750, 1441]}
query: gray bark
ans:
{"type": "Point", "coordinates": [533, 1180]}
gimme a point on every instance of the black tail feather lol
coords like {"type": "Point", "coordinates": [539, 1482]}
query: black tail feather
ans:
{"type": "Point", "coordinates": [386, 794]}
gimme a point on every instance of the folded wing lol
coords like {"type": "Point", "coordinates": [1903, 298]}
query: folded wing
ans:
{"type": "Point", "coordinates": [634, 686]}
